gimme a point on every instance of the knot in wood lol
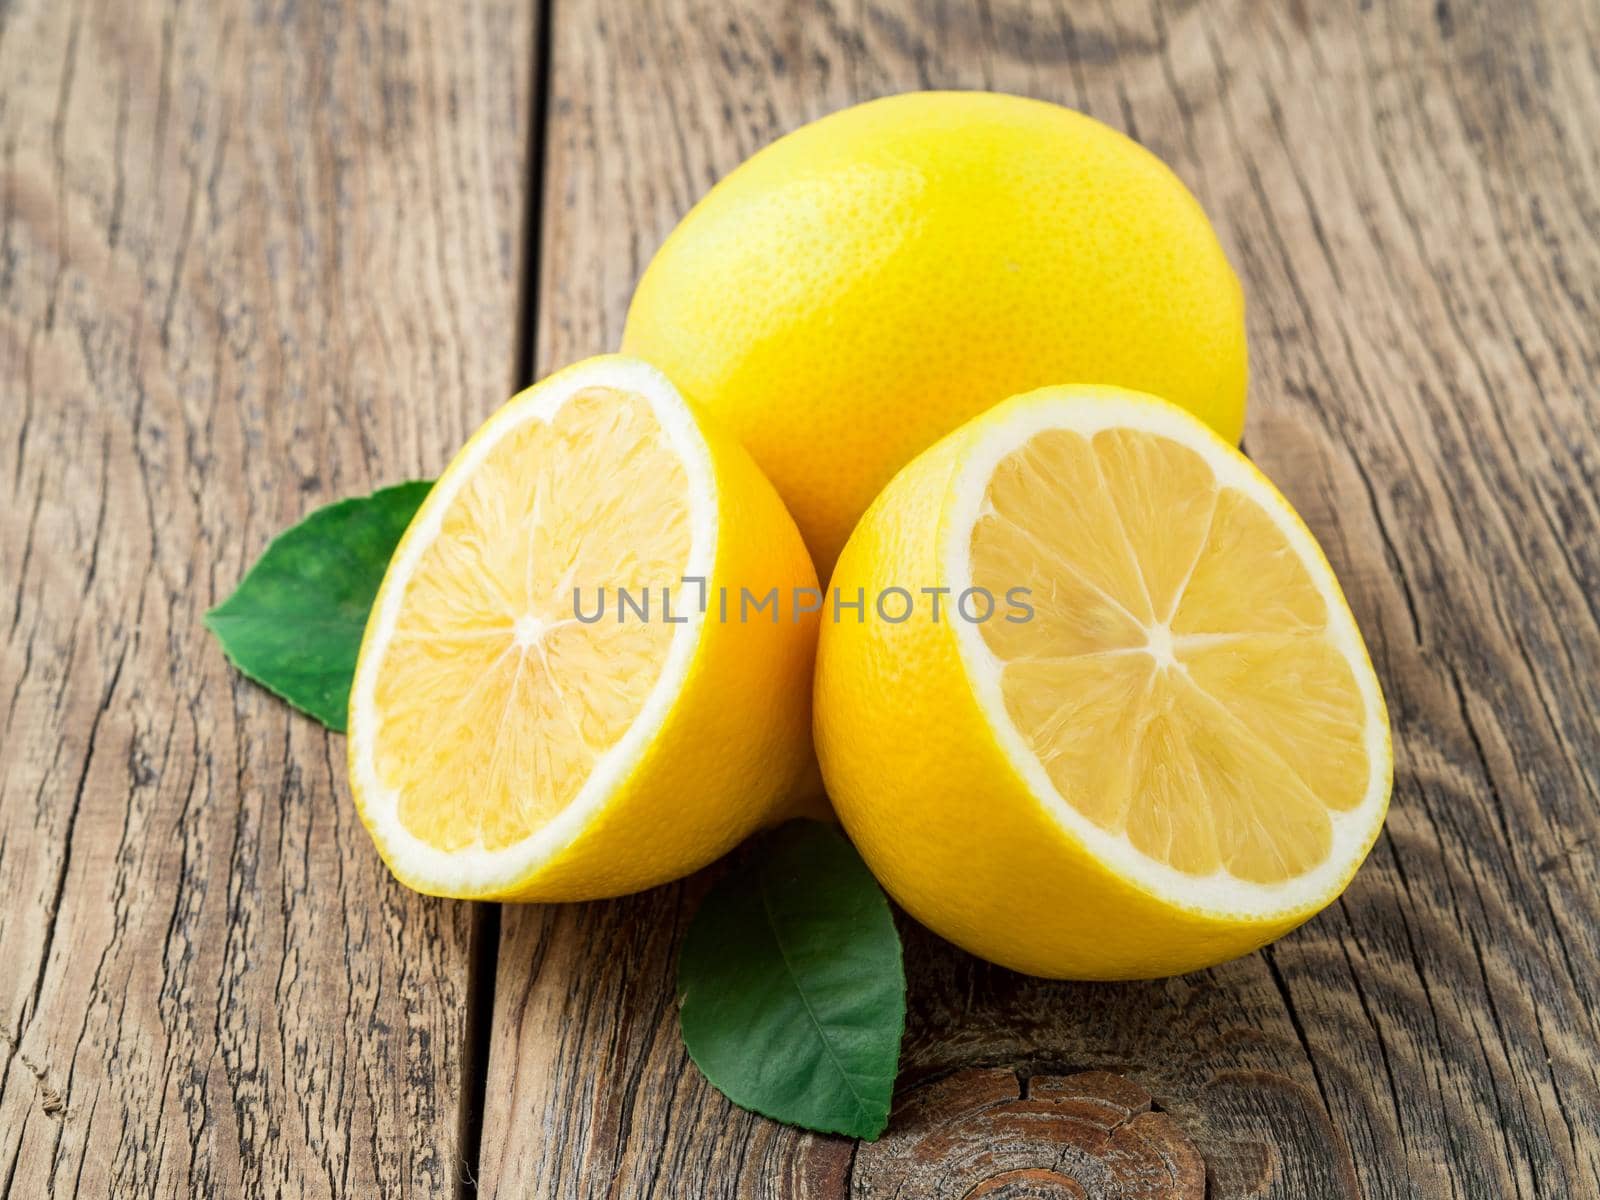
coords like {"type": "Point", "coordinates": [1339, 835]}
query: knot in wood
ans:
{"type": "Point", "coordinates": [984, 1134]}
{"type": "Point", "coordinates": [1030, 1183]}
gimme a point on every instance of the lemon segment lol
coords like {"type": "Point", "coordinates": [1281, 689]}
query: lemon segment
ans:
{"type": "Point", "coordinates": [507, 742]}
{"type": "Point", "coordinates": [1179, 754]}
{"type": "Point", "coordinates": [487, 642]}
{"type": "Point", "coordinates": [1145, 643]}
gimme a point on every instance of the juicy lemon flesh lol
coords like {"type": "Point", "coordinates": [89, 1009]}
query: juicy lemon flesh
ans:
{"type": "Point", "coordinates": [495, 701]}
{"type": "Point", "coordinates": [1177, 682]}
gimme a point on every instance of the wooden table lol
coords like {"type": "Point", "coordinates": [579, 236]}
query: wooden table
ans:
{"type": "Point", "coordinates": [257, 256]}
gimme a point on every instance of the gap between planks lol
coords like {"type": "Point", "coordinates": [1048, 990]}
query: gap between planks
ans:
{"type": "Point", "coordinates": [483, 960]}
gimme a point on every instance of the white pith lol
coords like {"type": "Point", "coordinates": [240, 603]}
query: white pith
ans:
{"type": "Point", "coordinates": [477, 869]}
{"type": "Point", "coordinates": [1221, 893]}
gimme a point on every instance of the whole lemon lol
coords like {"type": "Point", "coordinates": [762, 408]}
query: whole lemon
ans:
{"type": "Point", "coordinates": [868, 283]}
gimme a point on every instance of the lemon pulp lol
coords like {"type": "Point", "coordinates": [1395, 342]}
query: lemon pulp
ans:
{"type": "Point", "coordinates": [496, 701]}
{"type": "Point", "coordinates": [1178, 681]}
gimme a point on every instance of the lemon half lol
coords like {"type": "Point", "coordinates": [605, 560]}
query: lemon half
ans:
{"type": "Point", "coordinates": [515, 734]}
{"type": "Point", "coordinates": [1165, 745]}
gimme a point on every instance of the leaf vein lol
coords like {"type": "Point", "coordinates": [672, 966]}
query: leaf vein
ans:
{"type": "Point", "coordinates": [811, 1012]}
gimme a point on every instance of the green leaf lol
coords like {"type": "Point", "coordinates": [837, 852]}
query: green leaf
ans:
{"type": "Point", "coordinates": [294, 624]}
{"type": "Point", "coordinates": [791, 990]}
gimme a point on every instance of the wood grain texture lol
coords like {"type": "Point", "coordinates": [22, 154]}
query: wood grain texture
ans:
{"type": "Point", "coordinates": [252, 258]}
{"type": "Point", "coordinates": [256, 257]}
{"type": "Point", "coordinates": [1411, 195]}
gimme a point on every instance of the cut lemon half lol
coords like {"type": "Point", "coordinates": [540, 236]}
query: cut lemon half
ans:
{"type": "Point", "coordinates": [1142, 734]}
{"type": "Point", "coordinates": [548, 704]}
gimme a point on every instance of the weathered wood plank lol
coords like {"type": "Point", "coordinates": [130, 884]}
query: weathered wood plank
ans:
{"type": "Point", "coordinates": [1410, 194]}
{"type": "Point", "coordinates": [252, 258]}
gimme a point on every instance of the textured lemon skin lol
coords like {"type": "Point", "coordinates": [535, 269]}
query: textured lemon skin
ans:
{"type": "Point", "coordinates": [734, 745]}
{"type": "Point", "coordinates": [864, 285]}
{"type": "Point", "coordinates": [933, 802]}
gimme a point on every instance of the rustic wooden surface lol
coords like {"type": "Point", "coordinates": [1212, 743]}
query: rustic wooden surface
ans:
{"type": "Point", "coordinates": [252, 259]}
{"type": "Point", "coordinates": [256, 257]}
